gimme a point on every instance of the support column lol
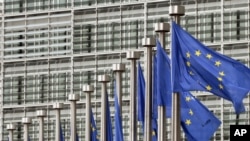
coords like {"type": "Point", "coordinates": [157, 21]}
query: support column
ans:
{"type": "Point", "coordinates": [118, 69]}
{"type": "Point", "coordinates": [176, 11]}
{"type": "Point", "coordinates": [148, 43]}
{"type": "Point", "coordinates": [104, 79]}
{"type": "Point", "coordinates": [11, 127]}
{"type": "Point", "coordinates": [73, 98]}
{"type": "Point", "coordinates": [88, 89]}
{"type": "Point", "coordinates": [41, 114]}
{"type": "Point", "coordinates": [58, 107]}
{"type": "Point", "coordinates": [161, 29]}
{"type": "Point", "coordinates": [133, 56]}
{"type": "Point", "coordinates": [26, 122]}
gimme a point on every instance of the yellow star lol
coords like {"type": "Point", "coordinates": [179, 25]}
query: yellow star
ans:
{"type": "Point", "coordinates": [153, 133]}
{"type": "Point", "coordinates": [209, 56]}
{"type": "Point", "coordinates": [188, 121]}
{"type": "Point", "coordinates": [191, 112]}
{"type": "Point", "coordinates": [188, 55]}
{"type": "Point", "coordinates": [191, 73]}
{"type": "Point", "coordinates": [221, 86]}
{"type": "Point", "coordinates": [217, 63]}
{"type": "Point", "coordinates": [222, 73]}
{"type": "Point", "coordinates": [188, 98]}
{"type": "Point", "coordinates": [197, 52]}
{"type": "Point", "coordinates": [209, 88]}
{"type": "Point", "coordinates": [188, 64]}
{"type": "Point", "coordinates": [220, 79]}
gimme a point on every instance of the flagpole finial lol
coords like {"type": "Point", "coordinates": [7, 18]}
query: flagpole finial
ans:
{"type": "Point", "coordinates": [133, 55]}
{"type": "Point", "coordinates": [11, 127]}
{"type": "Point", "coordinates": [87, 88]}
{"type": "Point", "coordinates": [176, 10]}
{"type": "Point", "coordinates": [162, 27]}
{"type": "Point", "coordinates": [119, 67]}
{"type": "Point", "coordinates": [41, 113]}
{"type": "Point", "coordinates": [148, 42]}
{"type": "Point", "coordinates": [26, 120]}
{"type": "Point", "coordinates": [57, 105]}
{"type": "Point", "coordinates": [103, 78]}
{"type": "Point", "coordinates": [73, 97]}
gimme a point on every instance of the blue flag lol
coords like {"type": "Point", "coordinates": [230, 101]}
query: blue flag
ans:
{"type": "Point", "coordinates": [61, 134]}
{"type": "Point", "coordinates": [198, 123]}
{"type": "Point", "coordinates": [94, 135]}
{"type": "Point", "coordinates": [118, 119]}
{"type": "Point", "coordinates": [141, 103]}
{"type": "Point", "coordinates": [164, 92]}
{"type": "Point", "coordinates": [109, 136]}
{"type": "Point", "coordinates": [140, 95]}
{"type": "Point", "coordinates": [77, 137]}
{"type": "Point", "coordinates": [163, 87]}
{"type": "Point", "coordinates": [155, 103]}
{"type": "Point", "coordinates": [197, 67]}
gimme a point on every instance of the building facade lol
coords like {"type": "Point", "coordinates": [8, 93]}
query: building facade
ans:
{"type": "Point", "coordinates": [50, 48]}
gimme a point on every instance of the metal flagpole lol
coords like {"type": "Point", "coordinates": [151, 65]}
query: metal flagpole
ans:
{"type": "Point", "coordinates": [41, 114]}
{"type": "Point", "coordinates": [26, 122]}
{"type": "Point", "coordinates": [104, 79]}
{"type": "Point", "coordinates": [11, 127]}
{"type": "Point", "coordinates": [149, 43]}
{"type": "Point", "coordinates": [162, 28]}
{"type": "Point", "coordinates": [133, 56]}
{"type": "Point", "coordinates": [118, 69]}
{"type": "Point", "coordinates": [58, 107]}
{"type": "Point", "coordinates": [88, 89]}
{"type": "Point", "coordinates": [73, 98]}
{"type": "Point", "coordinates": [176, 11]}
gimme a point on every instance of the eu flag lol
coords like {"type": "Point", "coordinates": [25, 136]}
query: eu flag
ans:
{"type": "Point", "coordinates": [118, 119]}
{"type": "Point", "coordinates": [198, 123]}
{"type": "Point", "coordinates": [163, 87]}
{"type": "Point", "coordinates": [197, 67]}
{"type": "Point", "coordinates": [94, 135]}
{"type": "Point", "coordinates": [155, 104]}
{"type": "Point", "coordinates": [61, 134]}
{"type": "Point", "coordinates": [141, 103]}
{"type": "Point", "coordinates": [164, 91]}
{"type": "Point", "coordinates": [140, 95]}
{"type": "Point", "coordinates": [109, 135]}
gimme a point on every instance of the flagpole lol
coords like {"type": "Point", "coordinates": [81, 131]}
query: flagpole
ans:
{"type": "Point", "coordinates": [88, 89]}
{"type": "Point", "coordinates": [11, 127]}
{"type": "Point", "coordinates": [41, 114]}
{"type": "Point", "coordinates": [73, 98]}
{"type": "Point", "coordinates": [26, 122]}
{"type": "Point", "coordinates": [133, 56]}
{"type": "Point", "coordinates": [162, 28]}
{"type": "Point", "coordinates": [104, 79]}
{"type": "Point", "coordinates": [58, 107]}
{"type": "Point", "coordinates": [118, 69]}
{"type": "Point", "coordinates": [176, 11]}
{"type": "Point", "coordinates": [148, 43]}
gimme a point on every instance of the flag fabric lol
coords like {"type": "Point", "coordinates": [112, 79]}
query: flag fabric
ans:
{"type": "Point", "coordinates": [155, 105]}
{"type": "Point", "coordinates": [94, 135]}
{"type": "Point", "coordinates": [109, 134]}
{"type": "Point", "coordinates": [61, 134]}
{"type": "Point", "coordinates": [198, 123]}
{"type": "Point", "coordinates": [141, 103]}
{"type": "Point", "coordinates": [197, 67]}
{"type": "Point", "coordinates": [164, 92]}
{"type": "Point", "coordinates": [77, 137]}
{"type": "Point", "coordinates": [155, 96]}
{"type": "Point", "coordinates": [140, 95]}
{"type": "Point", "coordinates": [118, 119]}
{"type": "Point", "coordinates": [162, 83]}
